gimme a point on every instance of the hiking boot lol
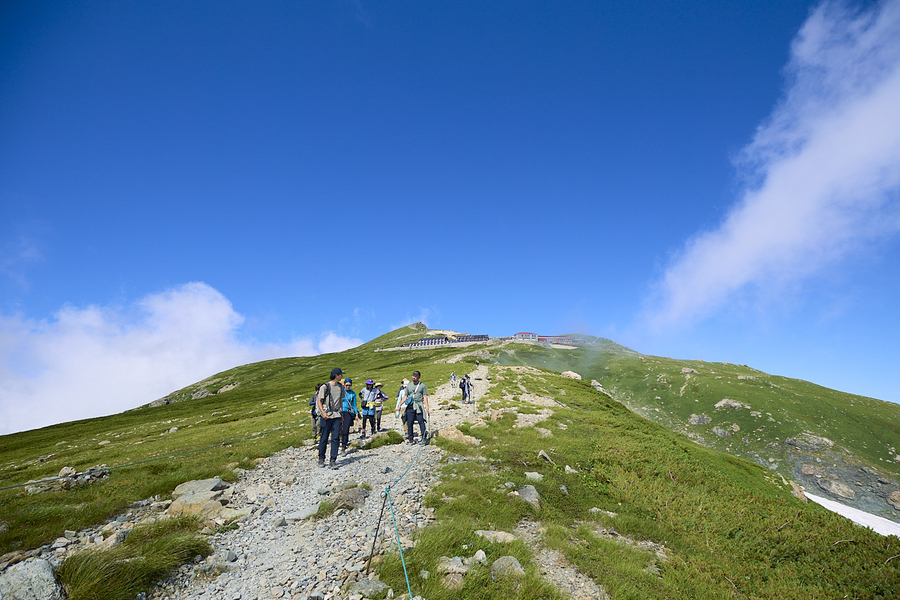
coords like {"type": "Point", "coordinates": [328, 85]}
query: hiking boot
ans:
{"type": "Point", "coordinates": [333, 464]}
{"type": "Point", "coordinates": [321, 462]}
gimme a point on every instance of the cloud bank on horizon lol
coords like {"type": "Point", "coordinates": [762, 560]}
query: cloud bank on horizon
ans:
{"type": "Point", "coordinates": [822, 173]}
{"type": "Point", "coordinates": [95, 361]}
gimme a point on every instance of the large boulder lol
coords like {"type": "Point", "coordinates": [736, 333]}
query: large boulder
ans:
{"type": "Point", "coordinates": [571, 374]}
{"type": "Point", "coordinates": [30, 580]}
{"type": "Point", "coordinates": [206, 498]}
{"type": "Point", "coordinates": [350, 499]}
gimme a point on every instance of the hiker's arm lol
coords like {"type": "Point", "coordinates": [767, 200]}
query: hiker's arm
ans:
{"type": "Point", "coordinates": [425, 398]}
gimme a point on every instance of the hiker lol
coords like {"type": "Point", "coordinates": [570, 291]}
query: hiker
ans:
{"type": "Point", "coordinates": [452, 378]}
{"type": "Point", "coordinates": [349, 413]}
{"type": "Point", "coordinates": [367, 406]}
{"type": "Point", "coordinates": [328, 406]}
{"type": "Point", "coordinates": [380, 399]}
{"type": "Point", "coordinates": [314, 415]}
{"type": "Point", "coordinates": [465, 390]}
{"type": "Point", "coordinates": [417, 409]}
{"type": "Point", "coordinates": [401, 401]}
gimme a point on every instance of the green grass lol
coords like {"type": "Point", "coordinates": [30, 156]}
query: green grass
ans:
{"type": "Point", "coordinates": [266, 412]}
{"type": "Point", "coordinates": [147, 554]}
{"type": "Point", "coordinates": [730, 528]}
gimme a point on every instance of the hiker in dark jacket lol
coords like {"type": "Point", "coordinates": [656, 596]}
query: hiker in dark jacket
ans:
{"type": "Point", "coordinates": [417, 408]}
{"type": "Point", "coordinates": [328, 404]}
{"type": "Point", "coordinates": [314, 415]}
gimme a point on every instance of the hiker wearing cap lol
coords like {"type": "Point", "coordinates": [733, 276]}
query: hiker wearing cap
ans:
{"type": "Point", "coordinates": [349, 413]}
{"type": "Point", "coordinates": [329, 401]}
{"type": "Point", "coordinates": [401, 403]}
{"type": "Point", "coordinates": [416, 403]}
{"type": "Point", "coordinates": [380, 399]}
{"type": "Point", "coordinates": [367, 406]}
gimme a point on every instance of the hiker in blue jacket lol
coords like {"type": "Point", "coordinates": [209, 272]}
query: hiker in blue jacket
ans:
{"type": "Point", "coordinates": [349, 413]}
{"type": "Point", "coordinates": [368, 396]}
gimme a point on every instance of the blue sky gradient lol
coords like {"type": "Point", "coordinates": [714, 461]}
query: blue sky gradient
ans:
{"type": "Point", "coordinates": [185, 188]}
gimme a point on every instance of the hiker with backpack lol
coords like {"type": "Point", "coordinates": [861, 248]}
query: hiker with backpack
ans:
{"type": "Point", "coordinates": [329, 402]}
{"type": "Point", "coordinates": [349, 413]}
{"type": "Point", "coordinates": [380, 399]}
{"type": "Point", "coordinates": [367, 399]}
{"type": "Point", "coordinates": [401, 401]}
{"type": "Point", "coordinates": [314, 415]}
{"type": "Point", "coordinates": [415, 402]}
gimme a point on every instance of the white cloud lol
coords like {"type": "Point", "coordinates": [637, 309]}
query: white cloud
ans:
{"type": "Point", "coordinates": [823, 171]}
{"type": "Point", "coordinates": [93, 361]}
{"type": "Point", "coordinates": [425, 315]}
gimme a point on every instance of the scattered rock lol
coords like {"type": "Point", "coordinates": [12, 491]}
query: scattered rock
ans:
{"type": "Point", "coordinates": [507, 566]}
{"type": "Point", "coordinates": [687, 370]}
{"type": "Point", "coordinates": [452, 565]}
{"type": "Point", "coordinates": [797, 491]}
{"type": "Point", "coordinates": [837, 488]}
{"type": "Point", "coordinates": [531, 496]}
{"type": "Point", "coordinates": [304, 513]}
{"type": "Point", "coordinates": [570, 471]}
{"type": "Point", "coordinates": [544, 455]}
{"type": "Point", "coordinates": [699, 419]}
{"type": "Point", "coordinates": [728, 403]}
{"type": "Point", "coordinates": [369, 588]}
{"type": "Point", "coordinates": [571, 374]}
{"type": "Point", "coordinates": [721, 432]}
{"type": "Point", "coordinates": [496, 537]}
{"type": "Point", "coordinates": [452, 433]}
{"type": "Point", "coordinates": [533, 476]}
{"type": "Point", "coordinates": [453, 581]}
{"type": "Point", "coordinates": [30, 580]}
{"type": "Point", "coordinates": [809, 442]}
{"type": "Point", "coordinates": [894, 499]}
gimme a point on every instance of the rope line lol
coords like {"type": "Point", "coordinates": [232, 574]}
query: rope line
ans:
{"type": "Point", "coordinates": [390, 502]}
{"type": "Point", "coordinates": [141, 462]}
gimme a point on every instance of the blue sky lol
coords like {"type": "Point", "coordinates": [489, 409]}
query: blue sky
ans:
{"type": "Point", "coordinates": [185, 187]}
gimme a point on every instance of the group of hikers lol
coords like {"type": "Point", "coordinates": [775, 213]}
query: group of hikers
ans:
{"type": "Point", "coordinates": [334, 410]}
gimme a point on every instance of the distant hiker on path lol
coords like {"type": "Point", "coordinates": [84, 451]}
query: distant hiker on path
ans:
{"type": "Point", "coordinates": [465, 384]}
{"type": "Point", "coordinates": [349, 413]}
{"type": "Point", "coordinates": [367, 399]}
{"type": "Point", "coordinates": [329, 402]}
{"type": "Point", "coordinates": [416, 404]}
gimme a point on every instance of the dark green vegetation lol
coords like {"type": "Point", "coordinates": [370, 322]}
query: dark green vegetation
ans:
{"type": "Point", "coordinates": [730, 527]}
{"type": "Point", "coordinates": [147, 554]}
{"type": "Point", "coordinates": [772, 427]}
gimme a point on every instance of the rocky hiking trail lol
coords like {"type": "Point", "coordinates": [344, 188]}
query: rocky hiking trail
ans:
{"type": "Point", "coordinates": [279, 552]}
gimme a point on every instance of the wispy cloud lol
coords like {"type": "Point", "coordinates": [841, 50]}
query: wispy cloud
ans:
{"type": "Point", "coordinates": [425, 316]}
{"type": "Point", "coordinates": [822, 173]}
{"type": "Point", "coordinates": [94, 361]}
{"type": "Point", "coordinates": [20, 253]}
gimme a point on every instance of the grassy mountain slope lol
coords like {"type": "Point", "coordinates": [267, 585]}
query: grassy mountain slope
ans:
{"type": "Point", "coordinates": [732, 526]}
{"type": "Point", "coordinates": [814, 435]}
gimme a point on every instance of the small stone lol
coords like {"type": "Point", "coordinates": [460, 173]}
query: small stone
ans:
{"type": "Point", "coordinates": [533, 476]}
{"type": "Point", "coordinates": [570, 470]}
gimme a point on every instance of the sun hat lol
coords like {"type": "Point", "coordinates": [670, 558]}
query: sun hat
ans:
{"type": "Point", "coordinates": [379, 384]}
{"type": "Point", "coordinates": [370, 381]}
{"type": "Point", "coordinates": [348, 380]}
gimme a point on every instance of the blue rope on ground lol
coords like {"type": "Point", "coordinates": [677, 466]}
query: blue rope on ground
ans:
{"type": "Point", "coordinates": [387, 493]}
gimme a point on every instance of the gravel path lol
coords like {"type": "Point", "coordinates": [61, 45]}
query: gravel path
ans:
{"type": "Point", "coordinates": [275, 553]}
